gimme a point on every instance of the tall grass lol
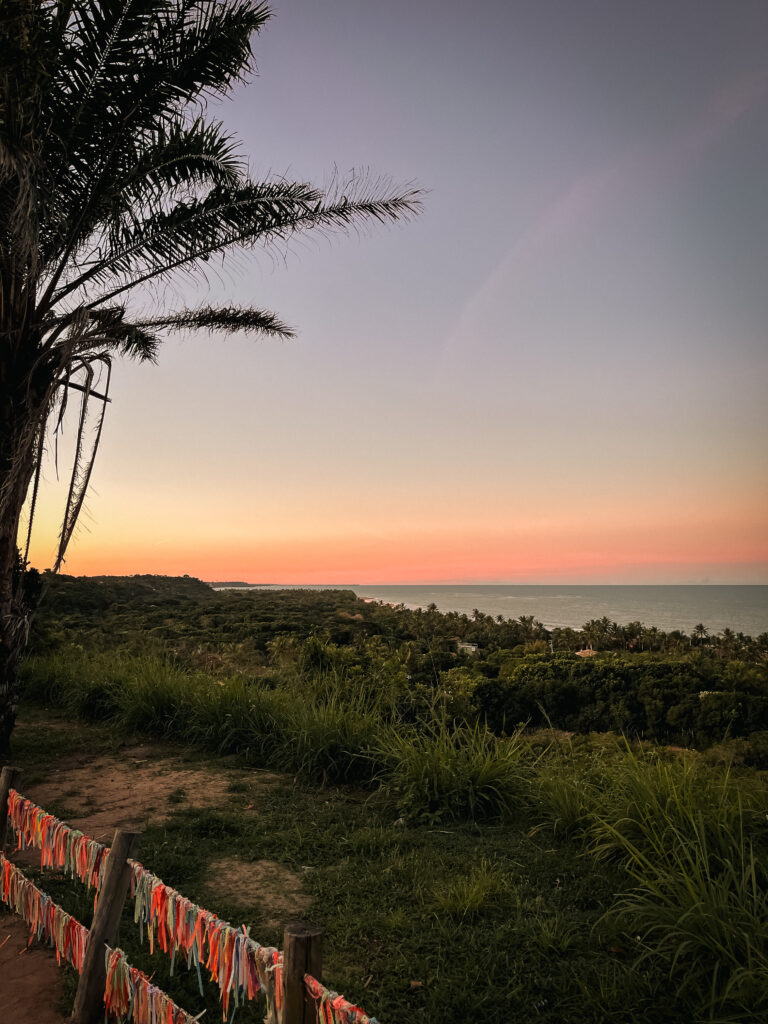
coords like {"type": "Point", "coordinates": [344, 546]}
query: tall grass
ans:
{"type": "Point", "coordinates": [693, 841]}
{"type": "Point", "coordinates": [446, 772]}
{"type": "Point", "coordinates": [144, 691]}
{"type": "Point", "coordinates": [317, 738]}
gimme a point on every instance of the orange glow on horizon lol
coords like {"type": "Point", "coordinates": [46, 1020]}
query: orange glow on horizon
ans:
{"type": "Point", "coordinates": [582, 535]}
{"type": "Point", "coordinates": [432, 557]}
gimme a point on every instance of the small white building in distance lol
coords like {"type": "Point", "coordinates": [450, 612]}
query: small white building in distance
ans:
{"type": "Point", "coordinates": [462, 647]}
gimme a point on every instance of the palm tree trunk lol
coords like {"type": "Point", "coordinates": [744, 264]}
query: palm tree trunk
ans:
{"type": "Point", "coordinates": [13, 638]}
{"type": "Point", "coordinates": [16, 468]}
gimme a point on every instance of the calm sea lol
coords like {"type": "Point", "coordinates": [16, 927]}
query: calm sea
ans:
{"type": "Point", "coordinates": [743, 609]}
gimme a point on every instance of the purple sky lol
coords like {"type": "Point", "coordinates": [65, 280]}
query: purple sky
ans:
{"type": "Point", "coordinates": [557, 372]}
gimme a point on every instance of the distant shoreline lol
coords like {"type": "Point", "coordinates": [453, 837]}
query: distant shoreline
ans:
{"type": "Point", "coordinates": [718, 606]}
{"type": "Point", "coordinates": [241, 584]}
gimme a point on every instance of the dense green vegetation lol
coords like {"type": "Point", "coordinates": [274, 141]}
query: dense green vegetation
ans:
{"type": "Point", "coordinates": [654, 904]}
{"type": "Point", "coordinates": [693, 691]}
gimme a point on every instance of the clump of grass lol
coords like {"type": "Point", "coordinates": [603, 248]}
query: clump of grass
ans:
{"type": "Point", "coordinates": [567, 794]}
{"type": "Point", "coordinates": [693, 840]}
{"type": "Point", "coordinates": [153, 696]}
{"type": "Point", "coordinates": [440, 772]}
{"type": "Point", "coordinates": [73, 680]}
{"type": "Point", "coordinates": [469, 894]}
{"type": "Point", "coordinates": [231, 716]}
{"type": "Point", "coordinates": [552, 933]}
{"type": "Point", "coordinates": [327, 741]}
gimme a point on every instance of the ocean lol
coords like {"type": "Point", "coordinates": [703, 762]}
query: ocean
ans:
{"type": "Point", "coordinates": [740, 608]}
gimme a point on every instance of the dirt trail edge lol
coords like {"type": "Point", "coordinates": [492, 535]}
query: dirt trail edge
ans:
{"type": "Point", "coordinates": [98, 793]}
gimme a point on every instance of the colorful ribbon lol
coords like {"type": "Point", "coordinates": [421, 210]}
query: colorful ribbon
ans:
{"type": "Point", "coordinates": [239, 965]}
{"type": "Point", "coordinates": [130, 994]}
{"type": "Point", "coordinates": [333, 1008]}
{"type": "Point", "coordinates": [46, 920]}
{"type": "Point", "coordinates": [60, 846]}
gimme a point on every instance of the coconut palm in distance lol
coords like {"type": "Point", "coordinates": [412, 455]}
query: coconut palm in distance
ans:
{"type": "Point", "coordinates": [113, 177]}
{"type": "Point", "coordinates": [700, 634]}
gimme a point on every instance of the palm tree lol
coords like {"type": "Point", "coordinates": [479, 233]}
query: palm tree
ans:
{"type": "Point", "coordinates": [113, 178]}
{"type": "Point", "coordinates": [599, 632]}
{"type": "Point", "coordinates": [652, 636]}
{"type": "Point", "coordinates": [728, 643]}
{"type": "Point", "coordinates": [700, 633]}
{"type": "Point", "coordinates": [528, 626]}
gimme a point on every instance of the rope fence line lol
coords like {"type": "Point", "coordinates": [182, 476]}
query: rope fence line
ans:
{"type": "Point", "coordinates": [128, 993]}
{"type": "Point", "coordinates": [46, 919]}
{"type": "Point", "coordinates": [333, 1008]}
{"type": "Point", "coordinates": [62, 847]}
{"type": "Point", "coordinates": [240, 966]}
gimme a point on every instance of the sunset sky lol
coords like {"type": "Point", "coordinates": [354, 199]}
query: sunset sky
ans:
{"type": "Point", "coordinates": [557, 373]}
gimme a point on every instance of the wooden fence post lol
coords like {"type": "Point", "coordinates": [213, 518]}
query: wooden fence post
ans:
{"type": "Point", "coordinates": [89, 1000]}
{"type": "Point", "coordinates": [8, 778]}
{"type": "Point", "coordinates": [302, 954]}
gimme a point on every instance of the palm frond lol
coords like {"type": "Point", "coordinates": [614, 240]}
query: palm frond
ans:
{"type": "Point", "coordinates": [85, 456]}
{"type": "Point", "coordinates": [86, 331]}
{"type": "Point", "coordinates": [112, 176]}
{"type": "Point", "coordinates": [267, 213]}
{"type": "Point", "coordinates": [230, 319]}
{"type": "Point", "coordinates": [101, 113]}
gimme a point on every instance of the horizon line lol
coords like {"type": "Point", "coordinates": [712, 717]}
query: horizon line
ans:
{"type": "Point", "coordinates": [474, 583]}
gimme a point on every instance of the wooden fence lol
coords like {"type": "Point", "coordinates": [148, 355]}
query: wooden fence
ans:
{"type": "Point", "coordinates": [290, 979]}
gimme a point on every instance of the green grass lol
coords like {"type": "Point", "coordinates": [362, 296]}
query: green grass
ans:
{"type": "Point", "coordinates": [694, 843]}
{"type": "Point", "coordinates": [469, 894]}
{"type": "Point", "coordinates": [495, 923]}
{"type": "Point", "coordinates": [323, 739]}
{"type": "Point", "coordinates": [443, 772]}
{"type": "Point", "coordinates": [578, 881]}
{"type": "Point", "coordinates": [693, 840]}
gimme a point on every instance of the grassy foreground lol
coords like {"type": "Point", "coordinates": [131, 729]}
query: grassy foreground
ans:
{"type": "Point", "coordinates": [420, 923]}
{"type": "Point", "coordinates": [508, 877]}
{"type": "Point", "coordinates": [459, 873]}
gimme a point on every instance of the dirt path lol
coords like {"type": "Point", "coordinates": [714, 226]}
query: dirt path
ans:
{"type": "Point", "coordinates": [130, 790]}
{"type": "Point", "coordinates": [30, 980]}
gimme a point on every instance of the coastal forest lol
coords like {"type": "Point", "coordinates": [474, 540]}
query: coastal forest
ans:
{"type": "Point", "coordinates": [639, 681]}
{"type": "Point", "coordinates": [491, 820]}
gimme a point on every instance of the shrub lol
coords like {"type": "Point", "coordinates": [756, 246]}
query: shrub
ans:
{"type": "Point", "coordinates": [441, 772]}
{"type": "Point", "coordinates": [688, 700]}
{"type": "Point", "coordinates": [693, 841]}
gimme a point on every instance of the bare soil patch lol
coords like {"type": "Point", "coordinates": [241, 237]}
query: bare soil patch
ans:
{"type": "Point", "coordinates": [275, 888]}
{"type": "Point", "coordinates": [30, 981]}
{"type": "Point", "coordinates": [133, 788]}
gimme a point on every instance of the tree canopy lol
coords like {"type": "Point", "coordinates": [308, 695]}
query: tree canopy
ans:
{"type": "Point", "coordinates": [113, 175]}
